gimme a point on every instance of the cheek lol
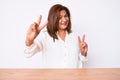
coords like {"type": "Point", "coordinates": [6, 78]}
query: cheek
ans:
{"type": "Point", "coordinates": [59, 23]}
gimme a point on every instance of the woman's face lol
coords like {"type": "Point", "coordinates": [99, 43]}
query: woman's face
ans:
{"type": "Point", "coordinates": [64, 20]}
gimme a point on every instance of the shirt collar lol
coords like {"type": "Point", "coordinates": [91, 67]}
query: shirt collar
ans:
{"type": "Point", "coordinates": [65, 37]}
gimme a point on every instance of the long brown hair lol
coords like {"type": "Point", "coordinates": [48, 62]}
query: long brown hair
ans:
{"type": "Point", "coordinates": [53, 20]}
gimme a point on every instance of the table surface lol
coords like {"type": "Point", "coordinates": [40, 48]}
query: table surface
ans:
{"type": "Point", "coordinates": [61, 74]}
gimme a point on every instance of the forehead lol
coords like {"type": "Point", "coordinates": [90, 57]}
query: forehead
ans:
{"type": "Point", "coordinates": [63, 12]}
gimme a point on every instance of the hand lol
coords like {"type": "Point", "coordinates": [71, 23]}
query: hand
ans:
{"type": "Point", "coordinates": [83, 45]}
{"type": "Point", "coordinates": [33, 31]}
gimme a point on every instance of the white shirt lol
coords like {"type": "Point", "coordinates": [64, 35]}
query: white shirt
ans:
{"type": "Point", "coordinates": [58, 54]}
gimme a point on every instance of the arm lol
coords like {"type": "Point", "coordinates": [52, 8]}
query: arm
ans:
{"type": "Point", "coordinates": [32, 45]}
{"type": "Point", "coordinates": [83, 48]}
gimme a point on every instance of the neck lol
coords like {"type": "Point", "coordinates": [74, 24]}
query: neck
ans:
{"type": "Point", "coordinates": [62, 34]}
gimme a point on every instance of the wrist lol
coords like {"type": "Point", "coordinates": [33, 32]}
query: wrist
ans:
{"type": "Point", "coordinates": [84, 54]}
{"type": "Point", "coordinates": [28, 43]}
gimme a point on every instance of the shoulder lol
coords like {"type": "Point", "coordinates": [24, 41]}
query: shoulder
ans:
{"type": "Point", "coordinates": [73, 34]}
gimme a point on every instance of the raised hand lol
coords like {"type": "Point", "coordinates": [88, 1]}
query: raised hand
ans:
{"type": "Point", "coordinates": [33, 31]}
{"type": "Point", "coordinates": [83, 45]}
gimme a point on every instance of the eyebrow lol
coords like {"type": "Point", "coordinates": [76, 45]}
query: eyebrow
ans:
{"type": "Point", "coordinates": [64, 15]}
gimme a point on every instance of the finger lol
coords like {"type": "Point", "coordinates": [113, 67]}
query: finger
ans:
{"type": "Point", "coordinates": [34, 27]}
{"type": "Point", "coordinates": [79, 40]}
{"type": "Point", "coordinates": [83, 44]}
{"type": "Point", "coordinates": [30, 28]}
{"type": "Point", "coordinates": [44, 25]}
{"type": "Point", "coordinates": [83, 38]}
{"type": "Point", "coordinates": [39, 20]}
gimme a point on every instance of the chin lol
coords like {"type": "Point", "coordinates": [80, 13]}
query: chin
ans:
{"type": "Point", "coordinates": [63, 27]}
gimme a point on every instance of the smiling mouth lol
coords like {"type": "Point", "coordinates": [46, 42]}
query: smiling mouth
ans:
{"type": "Point", "coordinates": [65, 24]}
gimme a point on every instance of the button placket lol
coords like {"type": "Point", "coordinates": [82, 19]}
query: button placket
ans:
{"type": "Point", "coordinates": [65, 54]}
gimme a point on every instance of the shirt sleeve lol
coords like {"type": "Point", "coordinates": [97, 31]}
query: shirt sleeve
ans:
{"type": "Point", "coordinates": [82, 60]}
{"type": "Point", "coordinates": [31, 50]}
{"type": "Point", "coordinates": [36, 47]}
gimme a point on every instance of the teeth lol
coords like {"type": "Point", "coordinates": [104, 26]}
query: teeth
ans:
{"type": "Point", "coordinates": [64, 23]}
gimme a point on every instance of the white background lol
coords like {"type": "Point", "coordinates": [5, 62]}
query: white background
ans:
{"type": "Point", "coordinates": [99, 20]}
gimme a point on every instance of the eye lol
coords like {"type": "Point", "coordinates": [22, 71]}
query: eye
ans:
{"type": "Point", "coordinates": [66, 15]}
{"type": "Point", "coordinates": [60, 17]}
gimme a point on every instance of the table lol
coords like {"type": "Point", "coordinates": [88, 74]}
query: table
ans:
{"type": "Point", "coordinates": [61, 74]}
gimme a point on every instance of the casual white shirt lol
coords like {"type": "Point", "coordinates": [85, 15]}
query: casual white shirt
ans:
{"type": "Point", "coordinates": [58, 53]}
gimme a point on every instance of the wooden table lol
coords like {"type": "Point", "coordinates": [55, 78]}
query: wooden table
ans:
{"type": "Point", "coordinates": [61, 74]}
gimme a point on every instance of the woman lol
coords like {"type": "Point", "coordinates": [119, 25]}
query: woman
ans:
{"type": "Point", "coordinates": [61, 48]}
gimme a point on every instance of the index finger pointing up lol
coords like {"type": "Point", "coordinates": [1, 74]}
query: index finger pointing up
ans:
{"type": "Point", "coordinates": [39, 20]}
{"type": "Point", "coordinates": [79, 40]}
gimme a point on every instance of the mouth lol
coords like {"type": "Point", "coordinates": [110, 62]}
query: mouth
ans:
{"type": "Point", "coordinates": [64, 24]}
